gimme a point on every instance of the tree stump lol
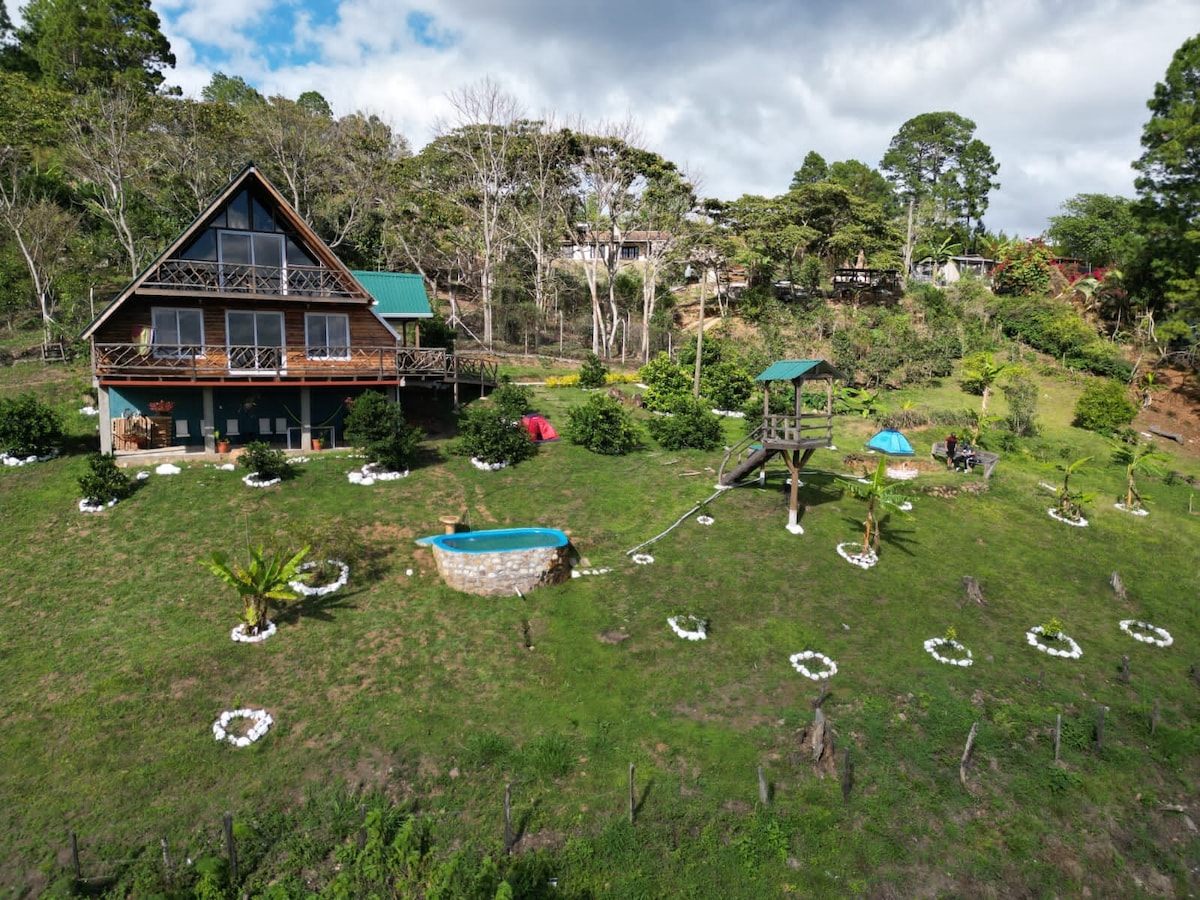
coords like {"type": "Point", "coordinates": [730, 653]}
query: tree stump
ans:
{"type": "Point", "coordinates": [1118, 585]}
{"type": "Point", "coordinates": [974, 591]}
{"type": "Point", "coordinates": [816, 745]}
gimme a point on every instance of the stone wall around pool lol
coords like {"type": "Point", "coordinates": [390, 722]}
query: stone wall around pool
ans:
{"type": "Point", "coordinates": [505, 572]}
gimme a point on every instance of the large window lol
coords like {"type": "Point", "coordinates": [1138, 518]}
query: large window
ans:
{"type": "Point", "coordinates": [178, 333]}
{"type": "Point", "coordinates": [255, 341]}
{"type": "Point", "coordinates": [251, 261]}
{"type": "Point", "coordinates": [327, 336]}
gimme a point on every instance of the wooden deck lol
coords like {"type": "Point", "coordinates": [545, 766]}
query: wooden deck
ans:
{"type": "Point", "coordinates": [129, 362]}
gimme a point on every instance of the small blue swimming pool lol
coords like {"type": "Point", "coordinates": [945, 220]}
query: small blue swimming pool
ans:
{"type": "Point", "coordinates": [498, 540]}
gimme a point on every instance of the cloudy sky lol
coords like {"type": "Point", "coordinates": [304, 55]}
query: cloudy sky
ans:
{"type": "Point", "coordinates": [735, 92]}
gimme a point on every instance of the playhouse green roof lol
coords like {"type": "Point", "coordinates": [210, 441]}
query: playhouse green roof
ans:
{"type": "Point", "coordinates": [791, 369]}
{"type": "Point", "coordinates": [396, 293]}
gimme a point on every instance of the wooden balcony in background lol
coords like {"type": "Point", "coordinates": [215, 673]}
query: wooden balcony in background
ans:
{"type": "Point", "coordinates": [183, 276]}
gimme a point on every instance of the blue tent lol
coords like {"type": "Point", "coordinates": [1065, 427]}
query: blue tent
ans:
{"type": "Point", "coordinates": [891, 442]}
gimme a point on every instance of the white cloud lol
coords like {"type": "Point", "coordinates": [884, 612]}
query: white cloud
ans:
{"type": "Point", "coordinates": [742, 92]}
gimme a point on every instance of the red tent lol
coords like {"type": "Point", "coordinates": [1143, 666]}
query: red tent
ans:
{"type": "Point", "coordinates": [539, 428]}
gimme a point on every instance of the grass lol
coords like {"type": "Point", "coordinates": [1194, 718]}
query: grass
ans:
{"type": "Point", "coordinates": [396, 690]}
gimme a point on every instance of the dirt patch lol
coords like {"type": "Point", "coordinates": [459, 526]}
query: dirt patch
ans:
{"type": "Point", "coordinates": [1174, 407]}
{"type": "Point", "coordinates": [612, 637]}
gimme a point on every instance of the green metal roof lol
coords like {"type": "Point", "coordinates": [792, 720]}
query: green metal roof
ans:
{"type": "Point", "coordinates": [791, 369]}
{"type": "Point", "coordinates": [396, 293]}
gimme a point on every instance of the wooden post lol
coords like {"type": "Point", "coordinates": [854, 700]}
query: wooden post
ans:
{"type": "Point", "coordinates": [1154, 718]}
{"type": "Point", "coordinates": [1118, 585]}
{"type": "Point", "coordinates": [1057, 734]}
{"type": "Point", "coordinates": [1124, 669]}
{"type": "Point", "coordinates": [362, 826]}
{"type": "Point", "coordinates": [166, 858]}
{"type": "Point", "coordinates": [962, 764]}
{"type": "Point", "coordinates": [1100, 711]}
{"type": "Point", "coordinates": [508, 836]}
{"type": "Point", "coordinates": [230, 846]}
{"type": "Point", "coordinates": [75, 856]}
{"type": "Point", "coordinates": [764, 796]}
{"type": "Point", "coordinates": [847, 774]}
{"type": "Point", "coordinates": [631, 793]}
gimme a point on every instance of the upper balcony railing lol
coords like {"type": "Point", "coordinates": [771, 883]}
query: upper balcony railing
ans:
{"type": "Point", "coordinates": [221, 277]}
{"type": "Point", "coordinates": [195, 362]}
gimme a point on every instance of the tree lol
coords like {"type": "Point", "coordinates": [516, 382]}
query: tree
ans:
{"type": "Point", "coordinates": [1168, 186]}
{"type": "Point", "coordinates": [982, 371]}
{"type": "Point", "coordinates": [113, 152]}
{"type": "Point", "coordinates": [1094, 228]}
{"type": "Point", "coordinates": [81, 45]}
{"type": "Point", "coordinates": [941, 170]}
{"type": "Point", "coordinates": [230, 89]}
{"type": "Point", "coordinates": [813, 169]}
{"type": "Point", "coordinates": [865, 183]}
{"type": "Point", "coordinates": [481, 141]}
{"type": "Point", "coordinates": [1137, 459]}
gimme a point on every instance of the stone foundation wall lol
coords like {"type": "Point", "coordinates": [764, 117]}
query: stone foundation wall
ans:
{"type": "Point", "coordinates": [503, 573]}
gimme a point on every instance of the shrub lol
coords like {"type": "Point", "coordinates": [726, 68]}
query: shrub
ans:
{"type": "Point", "coordinates": [511, 400]}
{"type": "Point", "coordinates": [1021, 393]}
{"type": "Point", "coordinates": [259, 457]}
{"type": "Point", "coordinates": [691, 425]}
{"type": "Point", "coordinates": [491, 436]}
{"type": "Point", "coordinates": [592, 373]}
{"type": "Point", "coordinates": [377, 425]}
{"type": "Point", "coordinates": [28, 426]}
{"type": "Point", "coordinates": [726, 384]}
{"type": "Point", "coordinates": [603, 426]}
{"type": "Point", "coordinates": [104, 481]}
{"type": "Point", "coordinates": [1104, 407]}
{"type": "Point", "coordinates": [1022, 269]}
{"type": "Point", "coordinates": [665, 383]}
{"type": "Point", "coordinates": [557, 381]}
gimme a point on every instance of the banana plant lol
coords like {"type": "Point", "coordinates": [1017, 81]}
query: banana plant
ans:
{"type": "Point", "coordinates": [265, 579]}
{"type": "Point", "coordinates": [877, 492]}
{"type": "Point", "coordinates": [1137, 459]}
{"type": "Point", "coordinates": [1071, 503]}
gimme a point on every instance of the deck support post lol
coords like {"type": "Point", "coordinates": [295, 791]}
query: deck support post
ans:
{"type": "Point", "coordinates": [306, 419]}
{"type": "Point", "coordinates": [209, 422]}
{"type": "Point", "coordinates": [105, 416]}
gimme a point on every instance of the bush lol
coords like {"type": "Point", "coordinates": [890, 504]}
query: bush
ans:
{"type": "Point", "coordinates": [1023, 269]}
{"type": "Point", "coordinates": [511, 400]}
{"type": "Point", "coordinates": [592, 373]}
{"type": "Point", "coordinates": [377, 425]}
{"type": "Point", "coordinates": [104, 481]}
{"type": "Point", "coordinates": [666, 383]}
{"type": "Point", "coordinates": [1104, 407]}
{"type": "Point", "coordinates": [1021, 393]}
{"type": "Point", "coordinates": [727, 385]}
{"type": "Point", "coordinates": [259, 457]}
{"type": "Point", "coordinates": [690, 426]}
{"type": "Point", "coordinates": [490, 435]}
{"type": "Point", "coordinates": [28, 426]}
{"type": "Point", "coordinates": [603, 426]}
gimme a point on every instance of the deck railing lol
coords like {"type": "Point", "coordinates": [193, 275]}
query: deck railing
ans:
{"type": "Point", "coordinates": [209, 276]}
{"type": "Point", "coordinates": [792, 430]}
{"type": "Point", "coordinates": [192, 362]}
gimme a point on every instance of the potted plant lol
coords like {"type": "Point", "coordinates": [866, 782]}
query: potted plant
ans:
{"type": "Point", "coordinates": [263, 580]}
{"type": "Point", "coordinates": [222, 443]}
{"type": "Point", "coordinates": [317, 443]}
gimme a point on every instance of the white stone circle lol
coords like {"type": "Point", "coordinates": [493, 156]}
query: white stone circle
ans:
{"type": "Point", "coordinates": [932, 645]}
{"type": "Point", "coordinates": [252, 480]}
{"type": "Point", "coordinates": [486, 466]}
{"type": "Point", "coordinates": [321, 590]}
{"type": "Point", "coordinates": [798, 663]}
{"type": "Point", "coordinates": [242, 638]}
{"type": "Point", "coordinates": [697, 630]}
{"type": "Point", "coordinates": [1035, 632]}
{"type": "Point", "coordinates": [704, 520]}
{"type": "Point", "coordinates": [85, 507]}
{"type": "Point", "coordinates": [262, 722]}
{"type": "Point", "coordinates": [855, 556]}
{"type": "Point", "coordinates": [643, 559]}
{"type": "Point", "coordinates": [1081, 522]}
{"type": "Point", "coordinates": [1163, 638]}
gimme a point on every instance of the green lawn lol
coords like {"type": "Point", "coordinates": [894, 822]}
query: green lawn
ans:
{"type": "Point", "coordinates": [116, 660]}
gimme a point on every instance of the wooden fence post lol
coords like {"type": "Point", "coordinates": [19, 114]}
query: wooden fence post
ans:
{"type": "Point", "coordinates": [362, 826]}
{"type": "Point", "coordinates": [1124, 669]}
{"type": "Point", "coordinates": [631, 805]}
{"type": "Point", "coordinates": [230, 846]}
{"type": "Point", "coordinates": [508, 836]}
{"type": "Point", "coordinates": [764, 795]}
{"type": "Point", "coordinates": [1057, 734]}
{"type": "Point", "coordinates": [75, 856]}
{"type": "Point", "coordinates": [166, 858]}
{"type": "Point", "coordinates": [962, 764]}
